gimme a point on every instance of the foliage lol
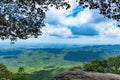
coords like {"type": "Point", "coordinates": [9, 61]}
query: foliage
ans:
{"type": "Point", "coordinates": [46, 74]}
{"type": "Point", "coordinates": [110, 65]}
{"type": "Point", "coordinates": [4, 72]}
{"type": "Point", "coordinates": [20, 77]}
{"type": "Point", "coordinates": [23, 18]}
{"type": "Point", "coordinates": [114, 64]}
{"type": "Point", "coordinates": [42, 75]}
{"type": "Point", "coordinates": [43, 59]}
{"type": "Point", "coordinates": [108, 8]}
{"type": "Point", "coordinates": [21, 70]}
{"type": "Point", "coordinates": [46, 62]}
{"type": "Point", "coordinates": [96, 66]}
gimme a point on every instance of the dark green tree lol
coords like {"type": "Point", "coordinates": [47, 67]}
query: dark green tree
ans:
{"type": "Point", "coordinates": [21, 70]}
{"type": "Point", "coordinates": [114, 65]}
{"type": "Point", "coordinates": [110, 65]}
{"type": "Point", "coordinates": [23, 18]}
{"type": "Point", "coordinates": [96, 66]}
{"type": "Point", "coordinates": [20, 77]}
{"type": "Point", "coordinates": [108, 8]}
{"type": "Point", "coordinates": [4, 72]}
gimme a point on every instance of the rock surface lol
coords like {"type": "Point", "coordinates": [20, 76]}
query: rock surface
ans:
{"type": "Point", "coordinates": [82, 75]}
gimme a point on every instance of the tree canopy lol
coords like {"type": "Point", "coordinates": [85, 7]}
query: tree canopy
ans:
{"type": "Point", "coordinates": [4, 72]}
{"type": "Point", "coordinates": [108, 8]}
{"type": "Point", "coordinates": [110, 65]}
{"type": "Point", "coordinates": [23, 18]}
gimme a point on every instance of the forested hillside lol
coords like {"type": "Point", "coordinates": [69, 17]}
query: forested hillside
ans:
{"type": "Point", "coordinates": [40, 61]}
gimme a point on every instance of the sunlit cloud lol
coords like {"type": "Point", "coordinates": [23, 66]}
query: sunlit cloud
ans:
{"type": "Point", "coordinates": [78, 26]}
{"type": "Point", "coordinates": [82, 25]}
{"type": "Point", "coordinates": [56, 31]}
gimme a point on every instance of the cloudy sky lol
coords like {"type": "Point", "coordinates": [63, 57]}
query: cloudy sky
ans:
{"type": "Point", "coordinates": [77, 26]}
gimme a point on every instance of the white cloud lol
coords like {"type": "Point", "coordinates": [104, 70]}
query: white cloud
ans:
{"type": "Point", "coordinates": [54, 15]}
{"type": "Point", "coordinates": [59, 16]}
{"type": "Point", "coordinates": [108, 29]}
{"type": "Point", "coordinates": [105, 27]}
{"type": "Point", "coordinates": [81, 18]}
{"type": "Point", "coordinates": [59, 31]}
{"type": "Point", "coordinates": [58, 22]}
{"type": "Point", "coordinates": [113, 32]}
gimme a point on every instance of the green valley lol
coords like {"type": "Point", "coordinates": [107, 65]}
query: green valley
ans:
{"type": "Point", "coordinates": [48, 62]}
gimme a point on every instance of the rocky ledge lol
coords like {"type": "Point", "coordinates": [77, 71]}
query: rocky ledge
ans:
{"type": "Point", "coordinates": [77, 74]}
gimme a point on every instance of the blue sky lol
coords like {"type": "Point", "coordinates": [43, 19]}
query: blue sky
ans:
{"type": "Point", "coordinates": [77, 26]}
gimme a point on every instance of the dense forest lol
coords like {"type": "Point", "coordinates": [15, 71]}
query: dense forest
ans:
{"type": "Point", "coordinates": [109, 65]}
{"type": "Point", "coordinates": [42, 63]}
{"type": "Point", "coordinates": [5, 74]}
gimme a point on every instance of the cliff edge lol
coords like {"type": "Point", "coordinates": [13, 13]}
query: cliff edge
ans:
{"type": "Point", "coordinates": [77, 74]}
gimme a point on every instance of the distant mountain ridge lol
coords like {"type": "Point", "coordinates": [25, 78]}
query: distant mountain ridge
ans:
{"type": "Point", "coordinates": [52, 57]}
{"type": "Point", "coordinates": [46, 45]}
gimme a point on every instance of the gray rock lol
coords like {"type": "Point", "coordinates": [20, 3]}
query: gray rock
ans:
{"type": "Point", "coordinates": [77, 74]}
